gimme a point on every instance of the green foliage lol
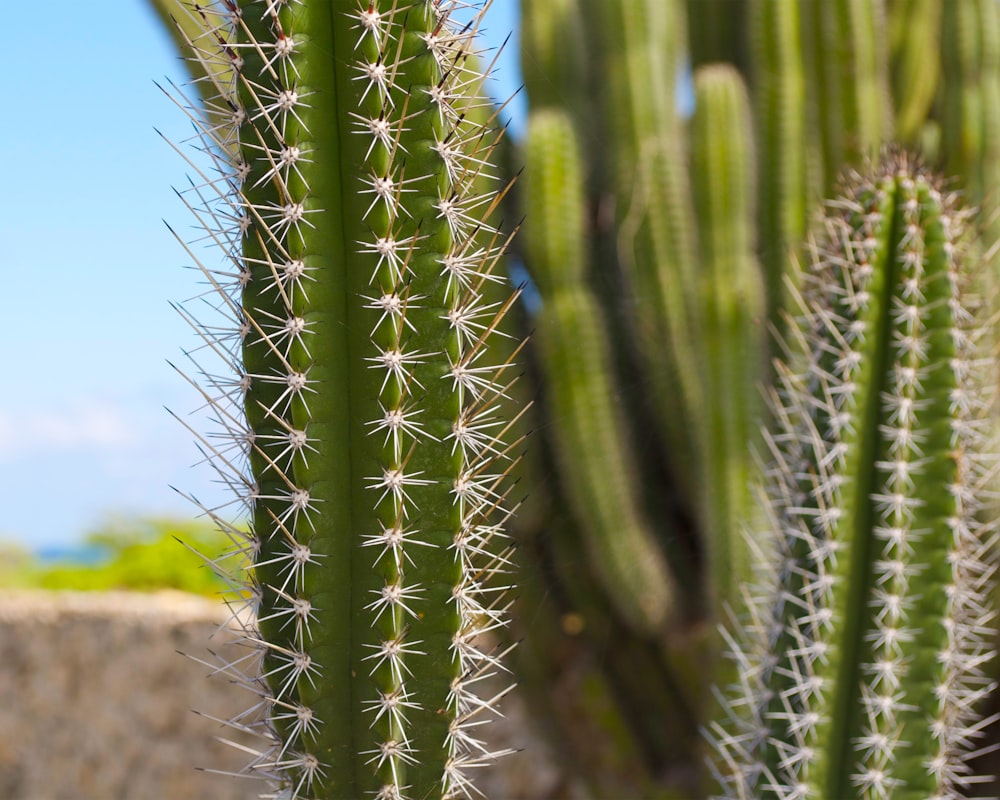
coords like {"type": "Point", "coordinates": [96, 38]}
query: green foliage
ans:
{"type": "Point", "coordinates": [136, 554]}
{"type": "Point", "coordinates": [18, 568]}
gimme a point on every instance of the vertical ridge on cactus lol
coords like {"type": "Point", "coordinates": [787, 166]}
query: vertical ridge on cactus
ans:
{"type": "Point", "coordinates": [914, 31]}
{"type": "Point", "coordinates": [786, 182]}
{"type": "Point", "coordinates": [970, 98]}
{"type": "Point", "coordinates": [849, 81]}
{"type": "Point", "coordinates": [353, 209]}
{"type": "Point", "coordinates": [871, 643]}
{"type": "Point", "coordinates": [654, 242]}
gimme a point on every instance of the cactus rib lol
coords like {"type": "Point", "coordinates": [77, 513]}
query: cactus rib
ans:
{"type": "Point", "coordinates": [848, 81]}
{"type": "Point", "coordinates": [785, 190]}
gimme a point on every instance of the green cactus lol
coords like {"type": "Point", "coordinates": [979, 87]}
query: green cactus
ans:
{"type": "Point", "coordinates": [787, 154]}
{"type": "Point", "coordinates": [602, 483]}
{"type": "Point", "coordinates": [866, 651]}
{"type": "Point", "coordinates": [731, 297]}
{"type": "Point", "coordinates": [351, 198]}
{"type": "Point", "coordinates": [359, 246]}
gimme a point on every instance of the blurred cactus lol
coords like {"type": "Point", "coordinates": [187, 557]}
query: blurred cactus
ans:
{"type": "Point", "coordinates": [691, 230]}
{"type": "Point", "coordinates": [665, 249]}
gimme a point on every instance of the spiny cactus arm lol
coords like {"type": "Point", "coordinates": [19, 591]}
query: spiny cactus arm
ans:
{"type": "Point", "coordinates": [294, 441]}
{"type": "Point", "coordinates": [848, 530]}
{"type": "Point", "coordinates": [914, 36]}
{"type": "Point", "coordinates": [556, 239]}
{"type": "Point", "coordinates": [732, 297]}
{"type": "Point", "coordinates": [881, 469]}
{"type": "Point", "coordinates": [360, 242]}
{"type": "Point", "coordinates": [638, 45]}
{"type": "Point", "coordinates": [788, 177]}
{"type": "Point", "coordinates": [848, 81]}
{"type": "Point", "coordinates": [573, 345]}
{"type": "Point", "coordinates": [904, 650]}
{"type": "Point", "coordinates": [598, 476]}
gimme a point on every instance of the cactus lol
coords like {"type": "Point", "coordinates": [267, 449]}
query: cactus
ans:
{"type": "Point", "coordinates": [602, 482]}
{"type": "Point", "coordinates": [669, 247]}
{"type": "Point", "coordinates": [862, 656]}
{"type": "Point", "coordinates": [732, 300]}
{"type": "Point", "coordinates": [361, 427]}
{"type": "Point", "coordinates": [361, 250]}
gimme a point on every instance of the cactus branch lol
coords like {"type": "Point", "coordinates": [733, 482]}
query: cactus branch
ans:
{"type": "Point", "coordinates": [880, 470]}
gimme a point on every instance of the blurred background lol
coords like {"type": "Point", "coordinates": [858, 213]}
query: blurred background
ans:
{"type": "Point", "coordinates": [88, 451]}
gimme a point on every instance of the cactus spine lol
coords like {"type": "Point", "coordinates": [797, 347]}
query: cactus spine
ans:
{"type": "Point", "coordinates": [871, 641]}
{"type": "Point", "coordinates": [360, 245]}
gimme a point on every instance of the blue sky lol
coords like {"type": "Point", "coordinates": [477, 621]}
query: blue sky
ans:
{"type": "Point", "coordinates": [89, 270]}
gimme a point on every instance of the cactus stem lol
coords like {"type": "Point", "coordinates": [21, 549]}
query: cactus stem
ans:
{"type": "Point", "coordinates": [351, 200]}
{"type": "Point", "coordinates": [874, 635]}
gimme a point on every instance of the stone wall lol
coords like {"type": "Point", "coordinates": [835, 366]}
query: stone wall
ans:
{"type": "Point", "coordinates": [96, 703]}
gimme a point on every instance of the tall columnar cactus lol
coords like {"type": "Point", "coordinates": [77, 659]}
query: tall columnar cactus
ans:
{"type": "Point", "coordinates": [863, 655]}
{"type": "Point", "coordinates": [732, 304]}
{"type": "Point", "coordinates": [572, 342]}
{"type": "Point", "coordinates": [358, 251]}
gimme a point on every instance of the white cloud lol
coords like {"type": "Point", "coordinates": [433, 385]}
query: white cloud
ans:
{"type": "Point", "coordinates": [86, 423]}
{"type": "Point", "coordinates": [70, 463]}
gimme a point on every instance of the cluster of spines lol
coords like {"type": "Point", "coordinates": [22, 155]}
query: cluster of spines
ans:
{"type": "Point", "coordinates": [374, 466]}
{"type": "Point", "coordinates": [863, 655]}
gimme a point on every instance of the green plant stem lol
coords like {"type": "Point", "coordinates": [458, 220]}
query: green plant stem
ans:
{"type": "Point", "coordinates": [732, 299]}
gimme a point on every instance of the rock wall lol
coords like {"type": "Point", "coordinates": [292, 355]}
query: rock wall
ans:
{"type": "Point", "coordinates": [97, 703]}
